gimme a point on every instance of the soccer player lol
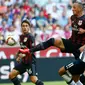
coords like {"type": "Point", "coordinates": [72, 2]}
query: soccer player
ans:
{"type": "Point", "coordinates": [76, 43]}
{"type": "Point", "coordinates": [74, 70]}
{"type": "Point", "coordinates": [27, 62]}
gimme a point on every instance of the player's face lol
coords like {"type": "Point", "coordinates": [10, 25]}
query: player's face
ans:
{"type": "Point", "coordinates": [25, 28]}
{"type": "Point", "coordinates": [76, 9]}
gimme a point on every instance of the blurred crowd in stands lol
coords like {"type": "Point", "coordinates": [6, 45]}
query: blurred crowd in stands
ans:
{"type": "Point", "coordinates": [49, 18]}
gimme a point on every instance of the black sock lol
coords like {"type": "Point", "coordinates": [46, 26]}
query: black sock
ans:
{"type": "Point", "coordinates": [82, 79]}
{"type": "Point", "coordinates": [43, 45]}
{"type": "Point", "coordinates": [15, 81]}
{"type": "Point", "coordinates": [39, 82]}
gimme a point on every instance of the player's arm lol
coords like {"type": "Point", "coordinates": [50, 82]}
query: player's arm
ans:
{"type": "Point", "coordinates": [82, 48]}
{"type": "Point", "coordinates": [81, 31]}
{"type": "Point", "coordinates": [69, 22]}
{"type": "Point", "coordinates": [17, 57]}
{"type": "Point", "coordinates": [22, 53]}
{"type": "Point", "coordinates": [32, 40]}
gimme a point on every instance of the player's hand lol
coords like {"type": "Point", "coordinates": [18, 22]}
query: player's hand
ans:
{"type": "Point", "coordinates": [24, 51]}
{"type": "Point", "coordinates": [18, 59]}
{"type": "Point", "coordinates": [82, 48]}
{"type": "Point", "coordinates": [81, 31]}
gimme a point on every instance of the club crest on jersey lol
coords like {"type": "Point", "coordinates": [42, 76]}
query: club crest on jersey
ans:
{"type": "Point", "coordinates": [25, 39]}
{"type": "Point", "coordinates": [80, 22]}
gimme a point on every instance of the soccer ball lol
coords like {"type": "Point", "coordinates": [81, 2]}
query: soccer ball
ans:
{"type": "Point", "coordinates": [10, 41]}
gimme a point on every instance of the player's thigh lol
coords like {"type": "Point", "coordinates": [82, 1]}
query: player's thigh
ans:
{"type": "Point", "coordinates": [13, 73]}
{"type": "Point", "coordinates": [69, 47]}
{"type": "Point", "coordinates": [32, 71]}
{"type": "Point", "coordinates": [75, 68]}
{"type": "Point", "coordinates": [59, 43]}
{"type": "Point", "coordinates": [33, 78]}
{"type": "Point", "coordinates": [62, 71]}
{"type": "Point", "coordinates": [65, 45]}
{"type": "Point", "coordinates": [21, 68]}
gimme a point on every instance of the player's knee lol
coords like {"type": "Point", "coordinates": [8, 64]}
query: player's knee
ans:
{"type": "Point", "coordinates": [61, 71]}
{"type": "Point", "coordinates": [33, 79]}
{"type": "Point", "coordinates": [59, 43]}
{"type": "Point", "coordinates": [11, 76]}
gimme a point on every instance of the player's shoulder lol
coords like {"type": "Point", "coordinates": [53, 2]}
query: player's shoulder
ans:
{"type": "Point", "coordinates": [73, 17]}
{"type": "Point", "coordinates": [30, 35]}
{"type": "Point", "coordinates": [83, 17]}
{"type": "Point", "coordinates": [20, 35]}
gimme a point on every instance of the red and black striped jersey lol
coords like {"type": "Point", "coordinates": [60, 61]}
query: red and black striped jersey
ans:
{"type": "Point", "coordinates": [77, 23]}
{"type": "Point", "coordinates": [28, 41]}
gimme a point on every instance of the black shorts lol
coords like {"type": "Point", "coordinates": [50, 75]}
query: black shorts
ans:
{"type": "Point", "coordinates": [31, 69]}
{"type": "Point", "coordinates": [75, 68]}
{"type": "Point", "coordinates": [71, 48]}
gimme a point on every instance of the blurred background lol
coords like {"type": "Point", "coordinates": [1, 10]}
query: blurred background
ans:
{"type": "Point", "coordinates": [49, 18]}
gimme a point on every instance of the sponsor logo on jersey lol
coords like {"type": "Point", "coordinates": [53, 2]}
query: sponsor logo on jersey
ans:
{"type": "Point", "coordinates": [25, 39]}
{"type": "Point", "coordinates": [80, 22]}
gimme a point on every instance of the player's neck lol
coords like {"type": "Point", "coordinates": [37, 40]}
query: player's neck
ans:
{"type": "Point", "coordinates": [80, 14]}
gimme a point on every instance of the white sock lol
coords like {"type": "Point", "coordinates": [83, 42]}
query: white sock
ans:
{"type": "Point", "coordinates": [66, 78]}
{"type": "Point", "coordinates": [72, 83]}
{"type": "Point", "coordinates": [79, 83]}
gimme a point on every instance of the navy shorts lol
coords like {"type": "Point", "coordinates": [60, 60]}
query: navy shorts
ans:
{"type": "Point", "coordinates": [30, 68]}
{"type": "Point", "coordinates": [76, 68]}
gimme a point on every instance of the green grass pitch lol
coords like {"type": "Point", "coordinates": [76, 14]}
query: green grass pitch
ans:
{"type": "Point", "coordinates": [45, 83]}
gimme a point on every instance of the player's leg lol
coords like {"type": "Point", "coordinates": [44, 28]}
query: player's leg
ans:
{"type": "Point", "coordinates": [69, 78]}
{"type": "Point", "coordinates": [13, 77]}
{"type": "Point", "coordinates": [76, 68]}
{"type": "Point", "coordinates": [36, 81]}
{"type": "Point", "coordinates": [18, 69]}
{"type": "Point", "coordinates": [64, 45]}
{"type": "Point", "coordinates": [51, 42]}
{"type": "Point", "coordinates": [33, 75]}
{"type": "Point", "coordinates": [66, 76]}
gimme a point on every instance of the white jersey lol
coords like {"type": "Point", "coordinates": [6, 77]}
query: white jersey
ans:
{"type": "Point", "coordinates": [82, 56]}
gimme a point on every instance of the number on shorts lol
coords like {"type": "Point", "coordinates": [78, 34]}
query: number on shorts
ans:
{"type": "Point", "coordinates": [69, 65]}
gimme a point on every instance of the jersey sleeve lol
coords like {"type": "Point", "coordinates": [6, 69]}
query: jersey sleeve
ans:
{"type": "Point", "coordinates": [32, 39]}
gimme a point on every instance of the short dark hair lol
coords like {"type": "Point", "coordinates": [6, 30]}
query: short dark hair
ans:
{"type": "Point", "coordinates": [26, 21]}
